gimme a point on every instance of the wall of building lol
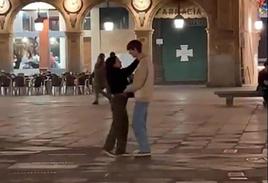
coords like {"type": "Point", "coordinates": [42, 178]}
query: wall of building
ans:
{"type": "Point", "coordinates": [106, 41]}
{"type": "Point", "coordinates": [116, 41]}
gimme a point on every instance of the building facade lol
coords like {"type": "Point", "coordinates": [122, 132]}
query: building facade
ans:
{"type": "Point", "coordinates": [218, 47]}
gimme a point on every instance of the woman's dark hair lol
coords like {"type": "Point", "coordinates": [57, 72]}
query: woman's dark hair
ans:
{"type": "Point", "coordinates": [135, 44]}
{"type": "Point", "coordinates": [101, 56]}
{"type": "Point", "coordinates": [110, 63]}
{"type": "Point", "coordinates": [100, 60]}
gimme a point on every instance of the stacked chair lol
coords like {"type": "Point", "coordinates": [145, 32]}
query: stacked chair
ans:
{"type": "Point", "coordinates": [45, 84]}
{"type": "Point", "coordinates": [5, 85]}
{"type": "Point", "coordinates": [19, 87]}
{"type": "Point", "coordinates": [37, 85]}
{"type": "Point", "coordinates": [56, 84]}
{"type": "Point", "coordinates": [70, 86]}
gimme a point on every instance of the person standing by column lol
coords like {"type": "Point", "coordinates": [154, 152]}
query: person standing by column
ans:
{"type": "Point", "coordinates": [142, 87]}
{"type": "Point", "coordinates": [100, 81]}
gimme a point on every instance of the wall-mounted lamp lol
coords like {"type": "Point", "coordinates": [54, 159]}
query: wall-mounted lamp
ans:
{"type": "Point", "coordinates": [179, 20]}
{"type": "Point", "coordinates": [258, 25]}
{"type": "Point", "coordinates": [108, 25]}
{"type": "Point", "coordinates": [39, 22]}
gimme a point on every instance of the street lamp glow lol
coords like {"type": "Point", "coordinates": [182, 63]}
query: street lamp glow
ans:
{"type": "Point", "coordinates": [179, 23]}
{"type": "Point", "coordinates": [108, 26]}
{"type": "Point", "coordinates": [25, 40]}
{"type": "Point", "coordinates": [53, 40]}
{"type": "Point", "coordinates": [258, 25]}
{"type": "Point", "coordinates": [39, 22]}
{"type": "Point", "coordinates": [38, 26]}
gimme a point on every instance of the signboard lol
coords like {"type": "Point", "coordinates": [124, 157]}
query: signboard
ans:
{"type": "Point", "coordinates": [263, 8]}
{"type": "Point", "coordinates": [187, 12]}
{"type": "Point", "coordinates": [196, 22]}
{"type": "Point", "coordinates": [159, 41]}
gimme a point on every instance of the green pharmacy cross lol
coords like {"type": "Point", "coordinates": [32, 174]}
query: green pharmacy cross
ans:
{"type": "Point", "coordinates": [184, 53]}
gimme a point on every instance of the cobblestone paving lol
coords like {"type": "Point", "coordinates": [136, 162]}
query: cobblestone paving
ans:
{"type": "Point", "coordinates": [194, 137]}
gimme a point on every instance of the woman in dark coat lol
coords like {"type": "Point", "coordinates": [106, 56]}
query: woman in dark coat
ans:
{"type": "Point", "coordinates": [118, 80]}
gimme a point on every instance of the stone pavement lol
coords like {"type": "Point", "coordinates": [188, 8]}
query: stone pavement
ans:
{"type": "Point", "coordinates": [194, 137]}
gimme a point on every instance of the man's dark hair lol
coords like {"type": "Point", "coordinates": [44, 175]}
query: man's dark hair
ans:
{"type": "Point", "coordinates": [135, 44]}
{"type": "Point", "coordinates": [112, 54]}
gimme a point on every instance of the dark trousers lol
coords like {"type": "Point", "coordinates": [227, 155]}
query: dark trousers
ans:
{"type": "Point", "coordinates": [119, 128]}
{"type": "Point", "coordinates": [265, 95]}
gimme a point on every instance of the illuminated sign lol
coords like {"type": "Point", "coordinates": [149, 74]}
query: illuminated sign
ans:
{"type": "Point", "coordinates": [172, 12]}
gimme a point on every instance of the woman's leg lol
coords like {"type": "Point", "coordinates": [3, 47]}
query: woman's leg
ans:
{"type": "Point", "coordinates": [265, 96]}
{"type": "Point", "coordinates": [123, 125]}
{"type": "Point", "coordinates": [96, 101]}
{"type": "Point", "coordinates": [111, 137]}
{"type": "Point", "coordinates": [106, 94]}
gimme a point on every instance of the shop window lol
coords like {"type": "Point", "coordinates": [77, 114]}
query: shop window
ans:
{"type": "Point", "coordinates": [26, 54]}
{"type": "Point", "coordinates": [57, 52]}
{"type": "Point", "coordinates": [87, 22]}
{"type": "Point", "coordinates": [26, 22]}
{"type": "Point", "coordinates": [54, 23]}
{"type": "Point", "coordinates": [119, 16]}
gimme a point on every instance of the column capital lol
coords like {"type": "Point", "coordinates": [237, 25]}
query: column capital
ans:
{"type": "Point", "coordinates": [149, 31]}
{"type": "Point", "coordinates": [6, 35]}
{"type": "Point", "coordinates": [145, 36]}
{"type": "Point", "coordinates": [73, 34]}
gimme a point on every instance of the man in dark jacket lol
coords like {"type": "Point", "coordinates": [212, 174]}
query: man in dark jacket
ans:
{"type": "Point", "coordinates": [117, 79]}
{"type": "Point", "coordinates": [263, 83]}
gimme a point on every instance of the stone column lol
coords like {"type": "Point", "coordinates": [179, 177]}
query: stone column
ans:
{"type": "Point", "coordinates": [223, 59]}
{"type": "Point", "coordinates": [224, 62]}
{"type": "Point", "coordinates": [95, 35]}
{"type": "Point", "coordinates": [6, 50]}
{"type": "Point", "coordinates": [145, 36]}
{"type": "Point", "coordinates": [74, 51]}
{"type": "Point", "coordinates": [44, 63]}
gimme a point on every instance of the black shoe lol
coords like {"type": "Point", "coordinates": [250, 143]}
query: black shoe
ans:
{"type": "Point", "coordinates": [109, 153]}
{"type": "Point", "coordinates": [95, 103]}
{"type": "Point", "coordinates": [138, 154]}
{"type": "Point", "coordinates": [125, 154]}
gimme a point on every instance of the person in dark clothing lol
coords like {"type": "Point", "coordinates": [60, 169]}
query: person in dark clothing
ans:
{"type": "Point", "coordinates": [112, 54]}
{"type": "Point", "coordinates": [117, 79]}
{"type": "Point", "coordinates": [100, 82]}
{"type": "Point", "coordinates": [263, 83]}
